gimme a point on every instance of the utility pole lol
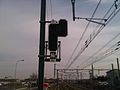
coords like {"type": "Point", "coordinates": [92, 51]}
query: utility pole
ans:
{"type": "Point", "coordinates": [77, 74]}
{"type": "Point", "coordinates": [112, 66]}
{"type": "Point", "coordinates": [81, 76]}
{"type": "Point", "coordinates": [92, 71]}
{"type": "Point", "coordinates": [118, 67]}
{"type": "Point", "coordinates": [42, 45]}
{"type": "Point", "coordinates": [113, 76]}
{"type": "Point", "coordinates": [73, 9]}
{"type": "Point", "coordinates": [92, 82]}
{"type": "Point", "coordinates": [54, 70]}
{"type": "Point", "coordinates": [69, 77]}
{"type": "Point", "coordinates": [57, 78]}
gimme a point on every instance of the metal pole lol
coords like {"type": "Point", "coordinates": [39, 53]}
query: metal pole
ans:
{"type": "Point", "coordinates": [77, 74]}
{"type": "Point", "coordinates": [15, 73]}
{"type": "Point", "coordinates": [112, 66]}
{"type": "Point", "coordinates": [57, 78]}
{"type": "Point", "coordinates": [61, 77]}
{"type": "Point", "coordinates": [113, 76]}
{"type": "Point", "coordinates": [73, 9]}
{"type": "Point", "coordinates": [69, 77]}
{"type": "Point", "coordinates": [118, 69]}
{"type": "Point", "coordinates": [81, 76]}
{"type": "Point", "coordinates": [54, 70]}
{"type": "Point", "coordinates": [92, 82]}
{"type": "Point", "coordinates": [42, 45]}
{"type": "Point", "coordinates": [15, 76]}
{"type": "Point", "coordinates": [118, 66]}
{"type": "Point", "coordinates": [92, 71]}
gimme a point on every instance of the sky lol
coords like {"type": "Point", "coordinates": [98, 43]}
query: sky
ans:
{"type": "Point", "coordinates": [19, 34]}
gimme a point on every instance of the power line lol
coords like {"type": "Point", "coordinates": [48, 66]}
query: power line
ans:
{"type": "Point", "coordinates": [94, 34]}
{"type": "Point", "coordinates": [113, 49]}
{"type": "Point", "coordinates": [84, 32]}
{"type": "Point", "coordinates": [100, 49]}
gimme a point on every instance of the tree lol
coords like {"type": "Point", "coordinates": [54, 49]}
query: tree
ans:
{"type": "Point", "coordinates": [33, 76]}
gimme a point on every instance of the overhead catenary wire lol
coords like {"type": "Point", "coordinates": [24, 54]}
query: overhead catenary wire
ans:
{"type": "Point", "coordinates": [83, 32]}
{"type": "Point", "coordinates": [99, 50]}
{"type": "Point", "coordinates": [110, 17]}
{"type": "Point", "coordinates": [112, 50]}
{"type": "Point", "coordinates": [101, 56]}
{"type": "Point", "coordinates": [107, 13]}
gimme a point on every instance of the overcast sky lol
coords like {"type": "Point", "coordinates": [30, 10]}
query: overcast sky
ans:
{"type": "Point", "coordinates": [19, 33]}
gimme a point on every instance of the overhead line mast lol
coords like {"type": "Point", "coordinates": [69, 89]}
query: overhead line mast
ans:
{"type": "Point", "coordinates": [73, 9]}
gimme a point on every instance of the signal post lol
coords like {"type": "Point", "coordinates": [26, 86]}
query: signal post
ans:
{"type": "Point", "coordinates": [53, 44]}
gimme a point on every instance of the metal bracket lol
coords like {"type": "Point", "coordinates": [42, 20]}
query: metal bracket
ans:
{"type": "Point", "coordinates": [96, 22]}
{"type": "Point", "coordinates": [115, 2]}
{"type": "Point", "coordinates": [52, 21]}
{"type": "Point", "coordinates": [93, 20]}
{"type": "Point", "coordinates": [53, 56]}
{"type": "Point", "coordinates": [73, 9]}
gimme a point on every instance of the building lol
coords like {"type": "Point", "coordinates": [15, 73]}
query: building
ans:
{"type": "Point", "coordinates": [113, 78]}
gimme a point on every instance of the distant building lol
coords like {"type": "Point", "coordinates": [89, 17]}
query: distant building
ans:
{"type": "Point", "coordinates": [29, 82]}
{"type": "Point", "coordinates": [113, 79]}
{"type": "Point", "coordinates": [7, 81]}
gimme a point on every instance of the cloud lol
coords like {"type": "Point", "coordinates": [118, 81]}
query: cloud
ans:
{"type": "Point", "coordinates": [103, 1]}
{"type": "Point", "coordinates": [19, 36]}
